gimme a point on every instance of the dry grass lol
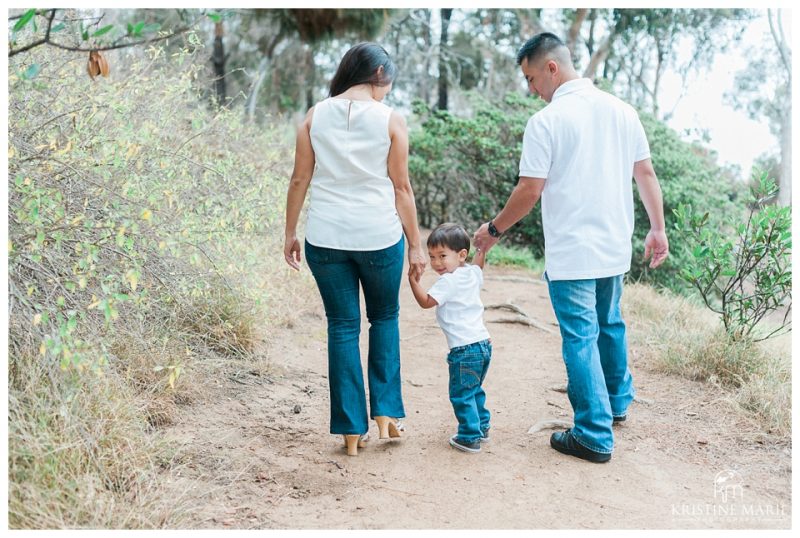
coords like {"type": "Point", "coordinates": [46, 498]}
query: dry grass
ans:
{"type": "Point", "coordinates": [676, 336]}
{"type": "Point", "coordinates": [79, 455]}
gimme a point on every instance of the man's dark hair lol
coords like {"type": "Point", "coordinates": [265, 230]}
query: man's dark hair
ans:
{"type": "Point", "coordinates": [450, 235]}
{"type": "Point", "coordinates": [360, 65]}
{"type": "Point", "coordinates": [538, 46]}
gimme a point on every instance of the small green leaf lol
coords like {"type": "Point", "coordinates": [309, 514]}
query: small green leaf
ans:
{"type": "Point", "coordinates": [150, 28]}
{"type": "Point", "coordinates": [214, 16]}
{"type": "Point", "coordinates": [25, 19]}
{"type": "Point", "coordinates": [31, 72]}
{"type": "Point", "coordinates": [57, 28]}
{"type": "Point", "coordinates": [104, 30]}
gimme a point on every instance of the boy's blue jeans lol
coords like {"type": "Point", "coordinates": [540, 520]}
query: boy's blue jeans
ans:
{"type": "Point", "coordinates": [338, 274]}
{"type": "Point", "coordinates": [595, 350]}
{"type": "Point", "coordinates": [468, 365]}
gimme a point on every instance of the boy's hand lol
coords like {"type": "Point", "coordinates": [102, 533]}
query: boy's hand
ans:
{"type": "Point", "coordinates": [414, 273]}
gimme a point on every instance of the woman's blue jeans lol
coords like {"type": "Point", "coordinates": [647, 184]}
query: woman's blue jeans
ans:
{"type": "Point", "coordinates": [339, 274]}
{"type": "Point", "coordinates": [595, 350]}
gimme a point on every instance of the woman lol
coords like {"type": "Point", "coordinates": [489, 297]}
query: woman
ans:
{"type": "Point", "coordinates": [353, 150]}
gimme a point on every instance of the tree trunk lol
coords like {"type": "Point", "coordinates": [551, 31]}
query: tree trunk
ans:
{"type": "Point", "coordinates": [528, 22]}
{"type": "Point", "coordinates": [219, 65]}
{"type": "Point", "coordinates": [785, 189]}
{"type": "Point", "coordinates": [427, 37]}
{"type": "Point", "coordinates": [256, 87]}
{"type": "Point", "coordinates": [785, 192]}
{"type": "Point", "coordinates": [310, 77]}
{"type": "Point", "coordinates": [575, 30]}
{"type": "Point", "coordinates": [446, 13]}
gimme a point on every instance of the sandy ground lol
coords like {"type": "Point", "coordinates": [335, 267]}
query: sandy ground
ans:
{"type": "Point", "coordinates": [257, 454]}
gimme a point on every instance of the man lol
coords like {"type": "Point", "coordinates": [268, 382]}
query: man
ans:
{"type": "Point", "coordinates": [579, 154]}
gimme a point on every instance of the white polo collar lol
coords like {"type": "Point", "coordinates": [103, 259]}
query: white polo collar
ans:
{"type": "Point", "coordinates": [571, 86]}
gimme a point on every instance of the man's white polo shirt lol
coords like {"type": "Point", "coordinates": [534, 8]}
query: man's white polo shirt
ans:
{"type": "Point", "coordinates": [584, 143]}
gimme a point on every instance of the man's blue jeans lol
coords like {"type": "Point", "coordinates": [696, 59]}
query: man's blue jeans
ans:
{"type": "Point", "coordinates": [468, 366]}
{"type": "Point", "coordinates": [594, 346]}
{"type": "Point", "coordinates": [338, 274]}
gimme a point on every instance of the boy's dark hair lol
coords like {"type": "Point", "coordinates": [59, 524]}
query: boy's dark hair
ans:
{"type": "Point", "coordinates": [450, 235]}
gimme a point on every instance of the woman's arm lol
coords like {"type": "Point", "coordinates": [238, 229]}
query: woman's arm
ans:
{"type": "Point", "coordinates": [298, 186]}
{"type": "Point", "coordinates": [404, 194]}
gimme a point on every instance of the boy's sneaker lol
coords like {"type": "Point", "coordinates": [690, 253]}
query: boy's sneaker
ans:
{"type": "Point", "coordinates": [464, 446]}
{"type": "Point", "coordinates": [484, 436]}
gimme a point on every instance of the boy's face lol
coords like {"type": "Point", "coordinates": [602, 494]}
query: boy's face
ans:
{"type": "Point", "coordinates": [446, 260]}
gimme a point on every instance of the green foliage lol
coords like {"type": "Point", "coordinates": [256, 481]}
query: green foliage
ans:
{"type": "Point", "coordinates": [512, 256]}
{"type": "Point", "coordinates": [464, 169]}
{"type": "Point", "coordinates": [34, 26]}
{"type": "Point", "coordinates": [746, 276]}
{"type": "Point", "coordinates": [119, 206]}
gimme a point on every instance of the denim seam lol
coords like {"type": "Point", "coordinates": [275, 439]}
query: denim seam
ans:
{"type": "Point", "coordinates": [590, 446]}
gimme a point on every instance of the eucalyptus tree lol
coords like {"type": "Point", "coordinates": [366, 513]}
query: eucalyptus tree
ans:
{"type": "Point", "coordinates": [764, 90]}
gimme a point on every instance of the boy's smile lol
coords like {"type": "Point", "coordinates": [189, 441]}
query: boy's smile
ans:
{"type": "Point", "coordinates": [446, 260]}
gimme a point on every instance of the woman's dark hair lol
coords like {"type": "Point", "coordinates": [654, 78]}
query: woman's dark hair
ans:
{"type": "Point", "coordinates": [450, 235]}
{"type": "Point", "coordinates": [360, 66]}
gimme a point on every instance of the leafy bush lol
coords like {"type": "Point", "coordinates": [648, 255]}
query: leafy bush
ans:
{"type": "Point", "coordinates": [141, 228]}
{"type": "Point", "coordinates": [464, 169]}
{"type": "Point", "coordinates": [746, 278]}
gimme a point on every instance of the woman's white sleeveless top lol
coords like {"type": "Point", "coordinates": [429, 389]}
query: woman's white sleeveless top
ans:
{"type": "Point", "coordinates": [352, 205]}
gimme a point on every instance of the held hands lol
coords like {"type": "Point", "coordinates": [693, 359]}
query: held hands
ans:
{"type": "Point", "coordinates": [416, 264]}
{"type": "Point", "coordinates": [291, 252]}
{"type": "Point", "coordinates": [656, 243]}
{"type": "Point", "coordinates": [482, 240]}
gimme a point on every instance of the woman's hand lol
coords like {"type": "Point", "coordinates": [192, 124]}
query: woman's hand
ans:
{"type": "Point", "coordinates": [416, 263]}
{"type": "Point", "coordinates": [291, 252]}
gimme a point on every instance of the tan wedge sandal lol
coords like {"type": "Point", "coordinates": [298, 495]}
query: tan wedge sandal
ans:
{"type": "Point", "coordinates": [389, 427]}
{"type": "Point", "coordinates": [354, 442]}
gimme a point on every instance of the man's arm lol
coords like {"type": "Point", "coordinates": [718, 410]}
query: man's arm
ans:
{"type": "Point", "coordinates": [422, 297]}
{"type": "Point", "coordinates": [522, 200]}
{"type": "Point", "coordinates": [656, 242]}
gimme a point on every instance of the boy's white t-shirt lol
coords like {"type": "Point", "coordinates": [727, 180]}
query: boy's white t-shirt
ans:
{"type": "Point", "coordinates": [460, 310]}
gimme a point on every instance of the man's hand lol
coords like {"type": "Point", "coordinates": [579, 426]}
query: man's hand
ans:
{"type": "Point", "coordinates": [483, 240]}
{"type": "Point", "coordinates": [656, 243]}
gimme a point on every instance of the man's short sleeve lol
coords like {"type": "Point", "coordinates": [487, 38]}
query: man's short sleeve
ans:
{"type": "Point", "coordinates": [536, 149]}
{"type": "Point", "coordinates": [442, 289]}
{"type": "Point", "coordinates": [640, 144]}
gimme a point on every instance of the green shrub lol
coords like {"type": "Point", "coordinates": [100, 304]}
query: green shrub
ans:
{"type": "Point", "coordinates": [745, 278]}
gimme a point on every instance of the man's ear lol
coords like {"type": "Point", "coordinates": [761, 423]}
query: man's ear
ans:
{"type": "Point", "coordinates": [552, 66]}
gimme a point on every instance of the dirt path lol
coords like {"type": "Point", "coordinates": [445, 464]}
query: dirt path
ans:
{"type": "Point", "coordinates": [257, 454]}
